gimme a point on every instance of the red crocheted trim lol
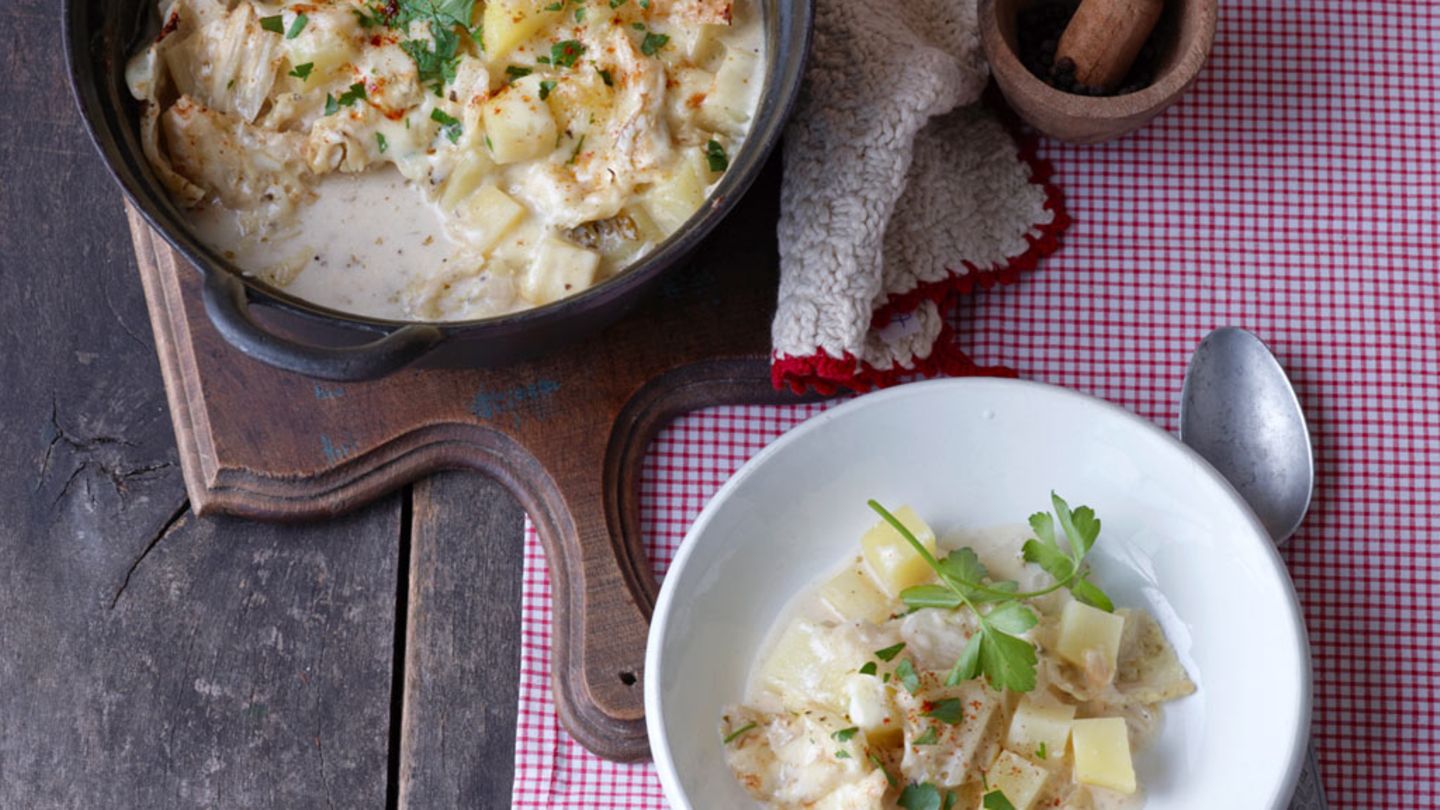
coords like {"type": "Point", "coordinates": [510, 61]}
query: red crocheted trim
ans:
{"type": "Point", "coordinates": [825, 374]}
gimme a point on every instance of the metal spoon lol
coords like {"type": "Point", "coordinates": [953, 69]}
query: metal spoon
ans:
{"type": "Point", "coordinates": [1239, 411]}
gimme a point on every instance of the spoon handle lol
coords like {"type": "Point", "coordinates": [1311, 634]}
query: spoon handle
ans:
{"type": "Point", "coordinates": [1309, 790]}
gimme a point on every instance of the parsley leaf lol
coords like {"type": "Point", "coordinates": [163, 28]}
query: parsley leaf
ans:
{"type": "Point", "coordinates": [302, 72]}
{"type": "Point", "coordinates": [716, 157]}
{"type": "Point", "coordinates": [868, 668]}
{"type": "Point", "coordinates": [924, 796]}
{"type": "Point", "coordinates": [354, 94]}
{"type": "Point", "coordinates": [296, 27]}
{"type": "Point", "coordinates": [513, 72]}
{"type": "Point", "coordinates": [1040, 752]}
{"type": "Point", "coordinates": [889, 653]}
{"type": "Point", "coordinates": [949, 710]}
{"type": "Point", "coordinates": [653, 42]}
{"type": "Point", "coordinates": [930, 737]}
{"type": "Point", "coordinates": [450, 126]}
{"type": "Point", "coordinates": [331, 107]}
{"type": "Point", "coordinates": [546, 87]}
{"type": "Point", "coordinates": [844, 734]}
{"type": "Point", "coordinates": [275, 23]}
{"type": "Point", "coordinates": [841, 753]}
{"type": "Point", "coordinates": [907, 675]}
{"type": "Point", "coordinates": [566, 53]}
{"type": "Point", "coordinates": [967, 666]}
{"type": "Point", "coordinates": [384, 144]}
{"type": "Point", "coordinates": [606, 77]}
{"type": "Point", "coordinates": [616, 3]}
{"type": "Point", "coordinates": [995, 800]}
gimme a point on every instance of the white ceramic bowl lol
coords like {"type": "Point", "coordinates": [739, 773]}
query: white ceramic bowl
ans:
{"type": "Point", "coordinates": [974, 453]}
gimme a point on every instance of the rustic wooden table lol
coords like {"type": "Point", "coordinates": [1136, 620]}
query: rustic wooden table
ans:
{"type": "Point", "coordinates": [152, 659]}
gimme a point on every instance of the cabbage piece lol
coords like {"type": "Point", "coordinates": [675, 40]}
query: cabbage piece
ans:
{"type": "Point", "coordinates": [228, 63]}
{"type": "Point", "coordinates": [149, 81]}
{"type": "Point", "coordinates": [1148, 669]}
{"type": "Point", "coordinates": [962, 750]}
{"type": "Point", "coordinates": [249, 169]}
{"type": "Point", "coordinates": [792, 760]}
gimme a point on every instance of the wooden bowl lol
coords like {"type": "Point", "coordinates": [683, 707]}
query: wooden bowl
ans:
{"type": "Point", "coordinates": [1184, 33]}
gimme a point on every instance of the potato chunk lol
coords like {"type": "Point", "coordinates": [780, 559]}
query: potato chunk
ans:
{"type": "Point", "coordinates": [1018, 778]}
{"type": "Point", "coordinates": [1090, 639]}
{"type": "Point", "coordinates": [486, 216]}
{"type": "Point", "coordinates": [510, 22]}
{"type": "Point", "coordinates": [518, 125]}
{"type": "Point", "coordinates": [1038, 726]}
{"type": "Point", "coordinates": [1102, 754]}
{"type": "Point", "coordinates": [559, 269]}
{"type": "Point", "coordinates": [891, 560]}
{"type": "Point", "coordinates": [852, 595]}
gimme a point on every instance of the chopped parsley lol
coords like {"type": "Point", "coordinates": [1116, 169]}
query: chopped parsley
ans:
{"type": "Point", "coordinates": [845, 734]}
{"type": "Point", "coordinates": [716, 157]}
{"type": "Point", "coordinates": [275, 23]}
{"type": "Point", "coordinates": [841, 753]}
{"type": "Point", "coordinates": [930, 737]}
{"type": "Point", "coordinates": [450, 126]}
{"type": "Point", "coordinates": [580, 14]}
{"type": "Point", "coordinates": [1041, 752]}
{"type": "Point", "coordinates": [436, 58]}
{"type": "Point", "coordinates": [302, 72]}
{"type": "Point", "coordinates": [995, 800]}
{"type": "Point", "coordinates": [908, 677]}
{"type": "Point", "coordinates": [513, 72]}
{"type": "Point", "coordinates": [566, 53]}
{"type": "Point", "coordinates": [616, 3]}
{"type": "Point", "coordinates": [435, 62]}
{"type": "Point", "coordinates": [948, 710]}
{"type": "Point", "coordinates": [576, 154]}
{"type": "Point", "coordinates": [889, 653]}
{"type": "Point", "coordinates": [380, 139]}
{"type": "Point", "coordinates": [645, 4]}
{"type": "Point", "coordinates": [331, 107]}
{"type": "Point", "coordinates": [606, 77]}
{"type": "Point", "coordinates": [653, 43]}
{"type": "Point", "coordinates": [737, 733]}
{"type": "Point", "coordinates": [297, 26]}
{"type": "Point", "coordinates": [554, 6]}
{"type": "Point", "coordinates": [638, 26]}
{"type": "Point", "coordinates": [354, 94]}
{"type": "Point", "coordinates": [545, 88]}
{"type": "Point", "coordinates": [922, 796]}
{"type": "Point", "coordinates": [868, 668]}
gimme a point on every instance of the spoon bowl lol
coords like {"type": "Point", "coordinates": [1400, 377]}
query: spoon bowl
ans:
{"type": "Point", "coordinates": [1239, 411]}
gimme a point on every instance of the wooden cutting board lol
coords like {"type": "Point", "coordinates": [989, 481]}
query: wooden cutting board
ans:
{"type": "Point", "coordinates": [566, 434]}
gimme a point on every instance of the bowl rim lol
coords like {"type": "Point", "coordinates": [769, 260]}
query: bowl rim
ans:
{"type": "Point", "coordinates": [660, 619]}
{"type": "Point", "coordinates": [782, 83]}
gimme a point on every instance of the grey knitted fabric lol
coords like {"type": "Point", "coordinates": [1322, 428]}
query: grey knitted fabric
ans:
{"type": "Point", "coordinates": [894, 178]}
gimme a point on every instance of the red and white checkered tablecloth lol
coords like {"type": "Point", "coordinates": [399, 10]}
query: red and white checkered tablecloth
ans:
{"type": "Point", "coordinates": [1293, 191]}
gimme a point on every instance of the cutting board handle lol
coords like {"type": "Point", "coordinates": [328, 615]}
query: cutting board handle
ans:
{"type": "Point", "coordinates": [603, 581]}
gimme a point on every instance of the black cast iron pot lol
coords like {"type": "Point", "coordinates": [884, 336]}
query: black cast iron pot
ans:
{"type": "Point", "coordinates": [298, 336]}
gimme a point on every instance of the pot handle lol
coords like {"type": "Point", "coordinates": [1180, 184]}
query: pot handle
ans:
{"type": "Point", "coordinates": [228, 305]}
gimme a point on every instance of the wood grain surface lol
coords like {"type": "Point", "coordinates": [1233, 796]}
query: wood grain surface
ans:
{"type": "Point", "coordinates": [150, 658]}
